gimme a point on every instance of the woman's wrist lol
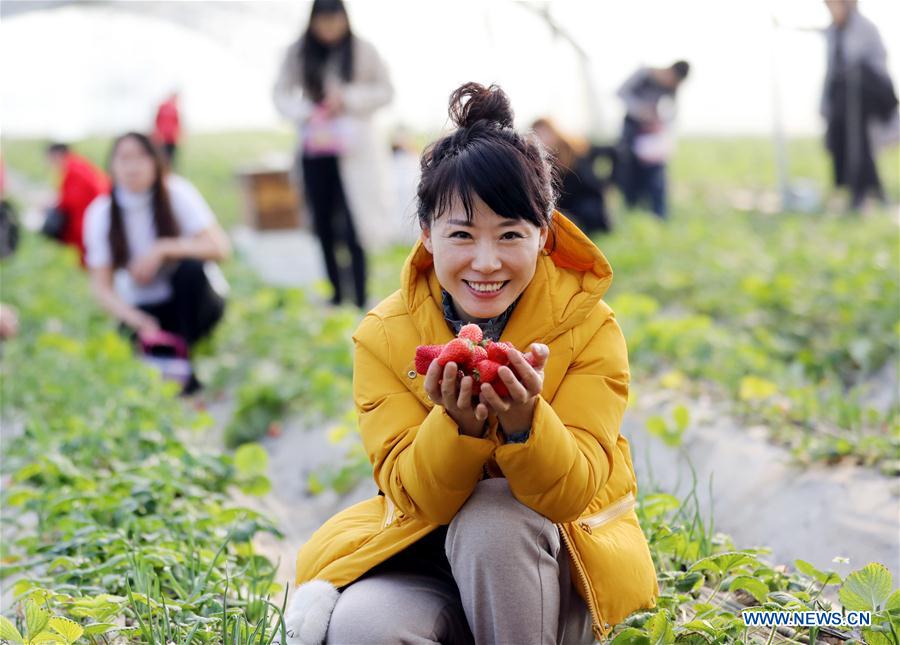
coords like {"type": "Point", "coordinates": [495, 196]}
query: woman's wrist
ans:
{"type": "Point", "coordinates": [512, 426]}
{"type": "Point", "coordinates": [479, 431]}
{"type": "Point", "coordinates": [167, 249]}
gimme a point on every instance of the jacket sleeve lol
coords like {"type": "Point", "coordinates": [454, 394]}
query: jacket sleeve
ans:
{"type": "Point", "coordinates": [374, 89]}
{"type": "Point", "coordinates": [569, 455]}
{"type": "Point", "coordinates": [288, 92]}
{"type": "Point", "coordinates": [420, 460]}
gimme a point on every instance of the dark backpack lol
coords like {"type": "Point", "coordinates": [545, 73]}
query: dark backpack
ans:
{"type": "Point", "coordinates": [879, 98]}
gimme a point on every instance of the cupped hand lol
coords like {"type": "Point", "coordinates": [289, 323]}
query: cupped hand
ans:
{"type": "Point", "coordinates": [516, 411]}
{"type": "Point", "coordinates": [445, 387]}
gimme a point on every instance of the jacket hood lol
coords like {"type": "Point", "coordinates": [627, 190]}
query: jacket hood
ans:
{"type": "Point", "coordinates": [570, 278]}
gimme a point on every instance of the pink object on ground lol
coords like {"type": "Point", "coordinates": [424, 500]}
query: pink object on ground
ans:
{"type": "Point", "coordinates": [168, 353]}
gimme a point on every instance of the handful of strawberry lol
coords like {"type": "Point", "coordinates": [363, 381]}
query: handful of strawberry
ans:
{"type": "Point", "coordinates": [476, 357]}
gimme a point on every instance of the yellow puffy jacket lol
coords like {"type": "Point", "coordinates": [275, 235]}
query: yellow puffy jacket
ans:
{"type": "Point", "coordinates": [575, 468]}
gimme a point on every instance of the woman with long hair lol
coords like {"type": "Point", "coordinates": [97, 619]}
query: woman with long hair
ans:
{"type": "Point", "coordinates": [502, 516]}
{"type": "Point", "coordinates": [147, 243]}
{"type": "Point", "coordinates": [330, 84]}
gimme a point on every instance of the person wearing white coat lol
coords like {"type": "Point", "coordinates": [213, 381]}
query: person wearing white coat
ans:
{"type": "Point", "coordinates": [330, 84]}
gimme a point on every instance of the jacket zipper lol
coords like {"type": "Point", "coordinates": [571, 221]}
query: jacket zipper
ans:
{"type": "Point", "coordinates": [588, 524]}
{"type": "Point", "coordinates": [389, 519]}
{"type": "Point", "coordinates": [596, 619]}
{"type": "Point", "coordinates": [608, 514]}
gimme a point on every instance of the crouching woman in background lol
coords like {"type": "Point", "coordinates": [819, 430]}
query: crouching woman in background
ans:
{"type": "Point", "coordinates": [148, 244]}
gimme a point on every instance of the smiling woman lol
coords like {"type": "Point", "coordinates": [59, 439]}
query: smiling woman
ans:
{"type": "Point", "coordinates": [483, 259]}
{"type": "Point", "coordinates": [483, 529]}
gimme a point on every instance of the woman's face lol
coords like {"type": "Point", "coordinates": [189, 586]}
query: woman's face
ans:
{"type": "Point", "coordinates": [132, 167]}
{"type": "Point", "coordinates": [484, 266]}
{"type": "Point", "coordinates": [329, 28]}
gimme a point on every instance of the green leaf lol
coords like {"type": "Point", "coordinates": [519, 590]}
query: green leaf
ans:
{"type": "Point", "coordinates": [682, 417]}
{"type": "Point", "coordinates": [97, 629]}
{"type": "Point", "coordinates": [251, 459]}
{"type": "Point", "coordinates": [657, 504]}
{"type": "Point", "coordinates": [693, 638]}
{"type": "Point", "coordinates": [688, 581]}
{"type": "Point", "coordinates": [700, 625]}
{"type": "Point", "coordinates": [314, 484]}
{"type": "Point", "coordinates": [873, 637]}
{"type": "Point", "coordinates": [754, 587]}
{"type": "Point", "coordinates": [258, 485]}
{"type": "Point", "coordinates": [893, 602]}
{"type": "Point", "coordinates": [660, 629]}
{"type": "Point", "coordinates": [824, 577]}
{"type": "Point", "coordinates": [8, 631]}
{"type": "Point", "coordinates": [866, 589]}
{"type": "Point", "coordinates": [36, 619]}
{"type": "Point", "coordinates": [656, 426]}
{"type": "Point", "coordinates": [68, 629]}
{"type": "Point", "coordinates": [44, 638]}
{"type": "Point", "coordinates": [784, 599]}
{"type": "Point", "coordinates": [723, 563]}
{"type": "Point", "coordinates": [631, 636]}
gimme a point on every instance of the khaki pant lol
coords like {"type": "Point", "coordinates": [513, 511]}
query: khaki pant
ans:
{"type": "Point", "coordinates": [510, 584]}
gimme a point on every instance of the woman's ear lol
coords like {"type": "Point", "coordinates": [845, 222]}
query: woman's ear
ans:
{"type": "Point", "coordinates": [426, 240]}
{"type": "Point", "coordinates": [545, 230]}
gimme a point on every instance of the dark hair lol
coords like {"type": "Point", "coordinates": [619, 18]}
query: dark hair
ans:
{"type": "Point", "coordinates": [57, 148]}
{"type": "Point", "coordinates": [487, 158]}
{"type": "Point", "coordinates": [163, 217]}
{"type": "Point", "coordinates": [681, 68]}
{"type": "Point", "coordinates": [314, 53]}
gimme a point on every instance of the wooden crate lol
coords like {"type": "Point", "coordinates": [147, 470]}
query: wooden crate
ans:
{"type": "Point", "coordinates": [271, 201]}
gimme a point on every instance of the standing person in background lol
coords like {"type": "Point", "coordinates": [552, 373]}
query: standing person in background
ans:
{"type": "Point", "coordinates": [81, 183]}
{"type": "Point", "coordinates": [147, 245]}
{"type": "Point", "coordinates": [581, 190]}
{"type": "Point", "coordinates": [858, 102]}
{"type": "Point", "coordinates": [330, 84]}
{"type": "Point", "coordinates": [167, 128]}
{"type": "Point", "coordinates": [649, 96]}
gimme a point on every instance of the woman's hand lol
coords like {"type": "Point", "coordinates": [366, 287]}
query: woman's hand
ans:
{"type": "Point", "coordinates": [145, 268]}
{"type": "Point", "coordinates": [516, 411]}
{"type": "Point", "coordinates": [333, 102]}
{"type": "Point", "coordinates": [444, 387]}
{"type": "Point", "coordinates": [145, 325]}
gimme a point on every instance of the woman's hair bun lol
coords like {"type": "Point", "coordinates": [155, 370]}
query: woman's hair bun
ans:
{"type": "Point", "coordinates": [473, 102]}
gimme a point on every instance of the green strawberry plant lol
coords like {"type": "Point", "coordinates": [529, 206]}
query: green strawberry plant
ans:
{"type": "Point", "coordinates": [112, 518]}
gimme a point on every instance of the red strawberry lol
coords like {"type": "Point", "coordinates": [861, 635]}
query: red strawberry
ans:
{"type": "Point", "coordinates": [424, 355]}
{"type": "Point", "coordinates": [471, 332]}
{"type": "Point", "coordinates": [486, 371]}
{"type": "Point", "coordinates": [458, 350]}
{"type": "Point", "coordinates": [500, 387]}
{"type": "Point", "coordinates": [497, 352]}
{"type": "Point", "coordinates": [479, 354]}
